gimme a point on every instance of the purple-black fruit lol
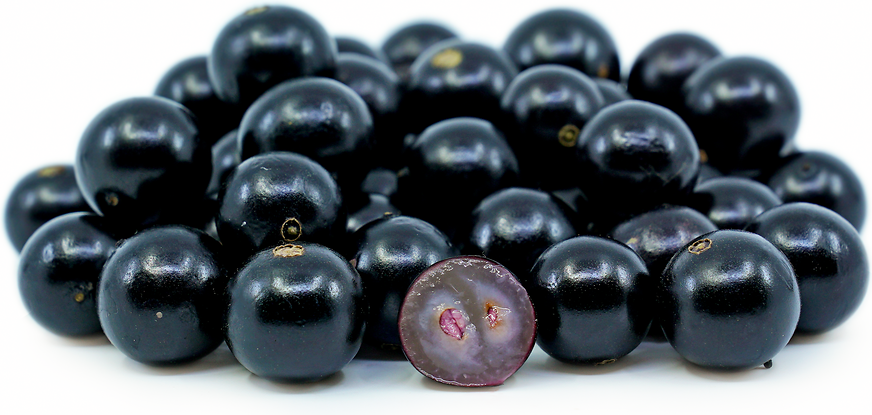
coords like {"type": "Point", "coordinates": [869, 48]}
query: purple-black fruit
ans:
{"type": "Point", "coordinates": [829, 259]}
{"type": "Point", "coordinates": [389, 254]}
{"type": "Point", "coordinates": [467, 321]}
{"type": "Point", "coordinates": [59, 269]}
{"type": "Point", "coordinates": [39, 197]}
{"type": "Point", "coordinates": [592, 298]}
{"type": "Point", "coordinates": [296, 313]}
{"type": "Point", "coordinates": [407, 43]}
{"type": "Point", "coordinates": [728, 300]}
{"type": "Point", "coordinates": [163, 294]}
{"type": "Point", "coordinates": [732, 202]}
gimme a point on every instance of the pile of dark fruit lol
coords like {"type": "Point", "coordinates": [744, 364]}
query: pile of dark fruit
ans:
{"type": "Point", "coordinates": [527, 177]}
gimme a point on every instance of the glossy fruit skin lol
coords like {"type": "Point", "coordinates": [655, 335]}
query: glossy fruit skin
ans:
{"type": "Point", "coordinates": [456, 78]}
{"type": "Point", "coordinates": [406, 44]}
{"type": "Point", "coordinates": [380, 89]}
{"type": "Point", "coordinates": [40, 196]}
{"type": "Point", "coordinates": [267, 190]}
{"type": "Point", "coordinates": [732, 202]}
{"type": "Point", "coordinates": [514, 226]}
{"type": "Point", "coordinates": [225, 158]}
{"type": "Point", "coordinates": [635, 155]}
{"type": "Point", "coordinates": [474, 287]}
{"type": "Point", "coordinates": [376, 207]}
{"type": "Point", "coordinates": [544, 109]}
{"type": "Point", "coordinates": [592, 299]}
{"type": "Point", "coordinates": [345, 44]}
{"type": "Point", "coordinates": [611, 91]}
{"type": "Point", "coordinates": [59, 269]}
{"type": "Point", "coordinates": [454, 164]}
{"type": "Point", "coordinates": [829, 259]}
{"type": "Point", "coordinates": [188, 84]}
{"type": "Point", "coordinates": [659, 234]}
{"type": "Point", "coordinates": [728, 300]}
{"type": "Point", "coordinates": [380, 181]}
{"type": "Point", "coordinates": [266, 46]}
{"type": "Point", "coordinates": [822, 179]}
{"type": "Point", "coordinates": [707, 172]}
{"type": "Point", "coordinates": [163, 294]}
{"type": "Point", "coordinates": [662, 67]}
{"type": "Point", "coordinates": [319, 118]}
{"type": "Point", "coordinates": [389, 254]}
{"type": "Point", "coordinates": [142, 160]}
{"type": "Point", "coordinates": [296, 318]}
{"type": "Point", "coordinates": [565, 37]}
{"type": "Point", "coordinates": [743, 111]}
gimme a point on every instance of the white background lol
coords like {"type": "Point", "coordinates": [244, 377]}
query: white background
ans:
{"type": "Point", "coordinates": [61, 62]}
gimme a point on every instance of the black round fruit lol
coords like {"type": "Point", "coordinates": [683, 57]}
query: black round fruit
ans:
{"type": "Point", "coordinates": [265, 46]}
{"type": "Point", "coordinates": [188, 84]}
{"type": "Point", "coordinates": [662, 67]}
{"type": "Point", "coordinates": [59, 269]}
{"type": "Point", "coordinates": [544, 109]}
{"type": "Point", "coordinates": [635, 155]}
{"type": "Point", "coordinates": [592, 299]}
{"type": "Point", "coordinates": [40, 196]}
{"type": "Point", "coordinates": [296, 313]}
{"type": "Point", "coordinates": [376, 207]}
{"type": "Point", "coordinates": [743, 112]}
{"type": "Point", "coordinates": [455, 78]}
{"type": "Point", "coordinates": [611, 91]}
{"type": "Point", "coordinates": [389, 254]}
{"type": "Point", "coordinates": [452, 165]}
{"type": "Point", "coordinates": [829, 259]}
{"type": "Point", "coordinates": [732, 202]}
{"type": "Point", "coordinates": [514, 226]}
{"type": "Point", "coordinates": [728, 300]}
{"type": "Point", "coordinates": [142, 160]}
{"type": "Point", "coordinates": [345, 44]}
{"type": "Point", "coordinates": [163, 294]}
{"type": "Point", "coordinates": [317, 117]}
{"type": "Point", "coordinates": [822, 179]}
{"type": "Point", "coordinates": [278, 196]}
{"type": "Point", "coordinates": [407, 43]}
{"type": "Point", "coordinates": [565, 37]}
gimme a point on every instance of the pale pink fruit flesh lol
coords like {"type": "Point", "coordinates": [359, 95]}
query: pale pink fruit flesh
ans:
{"type": "Point", "coordinates": [467, 321]}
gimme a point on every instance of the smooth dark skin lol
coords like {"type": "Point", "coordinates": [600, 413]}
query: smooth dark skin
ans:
{"type": "Point", "coordinates": [732, 202]}
{"type": "Point", "coordinates": [225, 158]}
{"type": "Point", "coordinates": [296, 318]}
{"type": "Point", "coordinates": [453, 165]}
{"type": "Point", "coordinates": [40, 196]}
{"type": "Point", "coordinates": [380, 181]}
{"type": "Point", "coordinates": [635, 155]}
{"type": "Point", "coordinates": [406, 44]}
{"type": "Point", "coordinates": [707, 172]}
{"type": "Point", "coordinates": [317, 117]}
{"type": "Point", "coordinates": [59, 269]}
{"type": "Point", "coordinates": [163, 294]}
{"type": "Point", "coordinates": [267, 190]}
{"type": "Point", "coordinates": [514, 226]}
{"type": "Point", "coordinates": [345, 44]}
{"type": "Point", "coordinates": [188, 84]}
{"type": "Point", "coordinates": [829, 259]}
{"type": "Point", "coordinates": [611, 91]}
{"type": "Point", "coordinates": [733, 305]}
{"type": "Point", "coordinates": [265, 46]}
{"type": "Point", "coordinates": [743, 112]}
{"type": "Point", "coordinates": [544, 109]}
{"type": "Point", "coordinates": [455, 78]}
{"type": "Point", "coordinates": [592, 299]}
{"type": "Point", "coordinates": [142, 160]}
{"type": "Point", "coordinates": [565, 37]}
{"type": "Point", "coordinates": [377, 207]}
{"type": "Point", "coordinates": [390, 254]}
{"type": "Point", "coordinates": [822, 179]}
{"type": "Point", "coordinates": [656, 236]}
{"type": "Point", "coordinates": [662, 67]}
{"type": "Point", "coordinates": [379, 87]}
